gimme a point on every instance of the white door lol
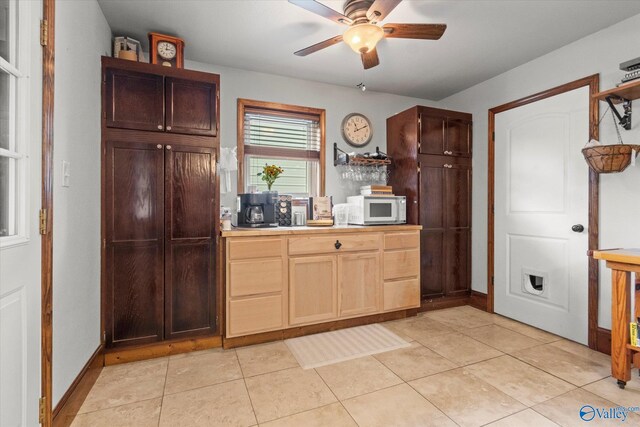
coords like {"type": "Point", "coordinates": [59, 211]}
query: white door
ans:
{"type": "Point", "coordinates": [541, 191]}
{"type": "Point", "coordinates": [20, 190]}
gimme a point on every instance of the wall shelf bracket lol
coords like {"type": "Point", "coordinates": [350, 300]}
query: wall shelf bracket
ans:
{"type": "Point", "coordinates": [625, 119]}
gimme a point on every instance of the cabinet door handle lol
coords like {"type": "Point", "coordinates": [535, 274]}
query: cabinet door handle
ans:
{"type": "Point", "coordinates": [338, 244]}
{"type": "Point", "coordinates": [160, 127]}
{"type": "Point", "coordinates": [168, 147]}
{"type": "Point", "coordinates": [448, 166]}
{"type": "Point", "coordinates": [159, 146]}
{"type": "Point", "coordinates": [446, 152]}
{"type": "Point", "coordinates": [168, 127]}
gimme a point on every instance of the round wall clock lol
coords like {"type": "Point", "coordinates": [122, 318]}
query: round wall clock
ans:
{"type": "Point", "coordinates": [356, 130]}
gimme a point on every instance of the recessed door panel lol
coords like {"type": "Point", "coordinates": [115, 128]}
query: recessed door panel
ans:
{"type": "Point", "coordinates": [432, 281]}
{"type": "Point", "coordinates": [190, 200]}
{"type": "Point", "coordinates": [191, 107]}
{"type": "Point", "coordinates": [134, 100]}
{"type": "Point", "coordinates": [432, 135]}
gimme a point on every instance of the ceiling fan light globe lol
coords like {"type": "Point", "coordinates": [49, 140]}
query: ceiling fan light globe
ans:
{"type": "Point", "coordinates": [363, 38]}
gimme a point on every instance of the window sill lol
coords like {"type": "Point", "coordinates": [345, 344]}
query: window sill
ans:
{"type": "Point", "coordinates": [13, 241]}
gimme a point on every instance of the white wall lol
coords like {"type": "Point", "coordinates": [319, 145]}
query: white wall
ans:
{"type": "Point", "coordinates": [338, 101]}
{"type": "Point", "coordinates": [82, 36]}
{"type": "Point", "coordinates": [619, 193]}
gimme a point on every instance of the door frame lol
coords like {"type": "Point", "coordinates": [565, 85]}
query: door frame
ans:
{"type": "Point", "coordinates": [593, 82]}
{"type": "Point", "coordinates": [46, 323]}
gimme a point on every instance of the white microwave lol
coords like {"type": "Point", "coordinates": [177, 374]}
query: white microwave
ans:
{"type": "Point", "coordinates": [371, 210]}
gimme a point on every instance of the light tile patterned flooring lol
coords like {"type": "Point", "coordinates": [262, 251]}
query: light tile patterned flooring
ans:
{"type": "Point", "coordinates": [465, 367]}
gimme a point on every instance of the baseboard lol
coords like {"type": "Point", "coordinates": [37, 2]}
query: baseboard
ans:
{"type": "Point", "coordinates": [444, 302]}
{"type": "Point", "coordinates": [161, 349]}
{"type": "Point", "coordinates": [478, 300]}
{"type": "Point", "coordinates": [70, 403]}
{"type": "Point", "coordinates": [317, 328]}
{"type": "Point", "coordinates": [603, 341]}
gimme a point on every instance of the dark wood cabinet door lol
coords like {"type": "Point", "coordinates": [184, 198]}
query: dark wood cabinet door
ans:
{"type": "Point", "coordinates": [432, 268]}
{"type": "Point", "coordinates": [445, 215]}
{"type": "Point", "coordinates": [458, 137]}
{"type": "Point", "coordinates": [432, 218]}
{"type": "Point", "coordinates": [190, 241]}
{"type": "Point", "coordinates": [191, 107]}
{"type": "Point", "coordinates": [457, 253]}
{"type": "Point", "coordinates": [134, 100]}
{"type": "Point", "coordinates": [134, 214]}
{"type": "Point", "coordinates": [432, 134]}
{"type": "Point", "coordinates": [457, 193]}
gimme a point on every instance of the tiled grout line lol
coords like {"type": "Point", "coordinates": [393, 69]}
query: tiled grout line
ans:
{"type": "Point", "coordinates": [164, 387]}
{"type": "Point", "coordinates": [244, 381]}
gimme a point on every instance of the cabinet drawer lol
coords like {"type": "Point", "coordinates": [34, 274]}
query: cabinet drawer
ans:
{"type": "Point", "coordinates": [253, 315]}
{"type": "Point", "coordinates": [259, 276]}
{"type": "Point", "coordinates": [402, 240]}
{"type": "Point", "coordinates": [399, 264]}
{"type": "Point", "coordinates": [327, 244]}
{"type": "Point", "coordinates": [401, 294]}
{"type": "Point", "coordinates": [247, 248]}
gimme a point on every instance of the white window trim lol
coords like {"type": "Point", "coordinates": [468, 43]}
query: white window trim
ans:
{"type": "Point", "coordinates": [22, 128]}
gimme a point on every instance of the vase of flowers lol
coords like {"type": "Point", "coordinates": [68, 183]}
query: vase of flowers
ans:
{"type": "Point", "coordinates": [269, 174]}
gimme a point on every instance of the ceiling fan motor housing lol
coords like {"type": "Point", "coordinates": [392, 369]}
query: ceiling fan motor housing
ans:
{"type": "Point", "coordinates": [356, 10]}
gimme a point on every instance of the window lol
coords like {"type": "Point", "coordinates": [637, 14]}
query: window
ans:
{"type": "Point", "coordinates": [13, 98]}
{"type": "Point", "coordinates": [288, 136]}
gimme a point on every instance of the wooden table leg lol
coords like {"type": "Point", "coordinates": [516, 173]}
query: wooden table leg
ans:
{"type": "Point", "coordinates": [620, 317]}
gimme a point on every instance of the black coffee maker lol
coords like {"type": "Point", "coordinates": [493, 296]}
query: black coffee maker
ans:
{"type": "Point", "coordinates": [257, 210]}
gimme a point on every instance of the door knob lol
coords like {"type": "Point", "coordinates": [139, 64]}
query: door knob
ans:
{"type": "Point", "coordinates": [338, 244]}
{"type": "Point", "coordinates": [578, 228]}
{"type": "Point", "coordinates": [168, 147]}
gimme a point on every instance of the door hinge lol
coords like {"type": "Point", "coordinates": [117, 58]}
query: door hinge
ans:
{"type": "Point", "coordinates": [104, 336]}
{"type": "Point", "coordinates": [44, 32]}
{"type": "Point", "coordinates": [493, 136]}
{"type": "Point", "coordinates": [418, 167]}
{"type": "Point", "coordinates": [104, 243]}
{"type": "Point", "coordinates": [493, 281]}
{"type": "Point", "coordinates": [43, 221]}
{"type": "Point", "coordinates": [41, 409]}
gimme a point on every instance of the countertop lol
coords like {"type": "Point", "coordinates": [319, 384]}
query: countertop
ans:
{"type": "Point", "coordinates": [279, 231]}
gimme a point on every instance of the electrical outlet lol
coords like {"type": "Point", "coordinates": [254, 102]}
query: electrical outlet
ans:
{"type": "Point", "coordinates": [66, 173]}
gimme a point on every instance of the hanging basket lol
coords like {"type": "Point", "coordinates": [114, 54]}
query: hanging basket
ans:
{"type": "Point", "coordinates": [610, 158]}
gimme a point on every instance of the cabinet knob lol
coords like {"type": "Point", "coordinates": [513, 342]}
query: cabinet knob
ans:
{"type": "Point", "coordinates": [168, 127]}
{"type": "Point", "coordinates": [448, 166]}
{"type": "Point", "coordinates": [160, 127]}
{"type": "Point", "coordinates": [159, 145]}
{"type": "Point", "coordinates": [338, 244]}
{"type": "Point", "coordinates": [168, 147]}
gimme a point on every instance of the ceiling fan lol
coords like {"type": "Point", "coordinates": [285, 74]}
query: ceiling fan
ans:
{"type": "Point", "coordinates": [363, 34]}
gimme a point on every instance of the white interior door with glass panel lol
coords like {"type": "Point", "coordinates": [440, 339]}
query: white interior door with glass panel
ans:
{"type": "Point", "coordinates": [20, 153]}
{"type": "Point", "coordinates": [541, 192]}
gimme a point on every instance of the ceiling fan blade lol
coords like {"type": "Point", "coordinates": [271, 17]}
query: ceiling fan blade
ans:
{"type": "Point", "coordinates": [318, 46]}
{"type": "Point", "coordinates": [322, 10]}
{"type": "Point", "coordinates": [414, 31]}
{"type": "Point", "coordinates": [370, 59]}
{"type": "Point", "coordinates": [380, 9]}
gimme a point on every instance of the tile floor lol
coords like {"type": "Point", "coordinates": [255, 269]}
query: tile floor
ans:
{"type": "Point", "coordinates": [465, 367]}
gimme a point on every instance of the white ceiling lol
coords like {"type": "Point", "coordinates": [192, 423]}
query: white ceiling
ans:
{"type": "Point", "coordinates": [483, 38]}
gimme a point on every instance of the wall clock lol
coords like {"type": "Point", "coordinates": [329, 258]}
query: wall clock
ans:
{"type": "Point", "coordinates": [166, 50]}
{"type": "Point", "coordinates": [356, 130]}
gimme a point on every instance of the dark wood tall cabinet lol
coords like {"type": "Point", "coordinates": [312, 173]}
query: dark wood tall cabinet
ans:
{"type": "Point", "coordinates": [160, 204]}
{"type": "Point", "coordinates": [431, 150]}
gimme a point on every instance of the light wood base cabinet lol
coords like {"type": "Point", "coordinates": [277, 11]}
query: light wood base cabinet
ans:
{"type": "Point", "coordinates": [284, 281]}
